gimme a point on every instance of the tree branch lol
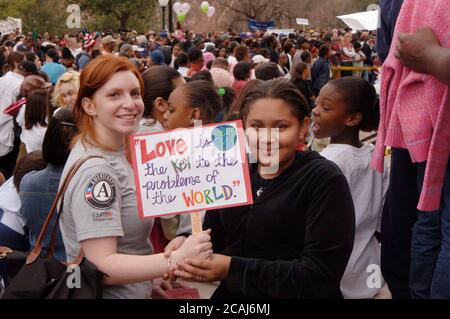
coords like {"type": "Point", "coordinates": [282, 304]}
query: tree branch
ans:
{"type": "Point", "coordinates": [223, 3]}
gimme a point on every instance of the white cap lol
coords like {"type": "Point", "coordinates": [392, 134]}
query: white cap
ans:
{"type": "Point", "coordinates": [137, 49]}
{"type": "Point", "coordinates": [141, 39]}
{"type": "Point", "coordinates": [46, 43]}
{"type": "Point", "coordinates": [260, 59]}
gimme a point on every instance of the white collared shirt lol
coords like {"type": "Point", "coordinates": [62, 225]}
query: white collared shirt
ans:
{"type": "Point", "coordinates": [9, 90]}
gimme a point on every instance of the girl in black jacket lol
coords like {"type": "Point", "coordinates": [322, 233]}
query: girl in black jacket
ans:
{"type": "Point", "coordinates": [297, 237]}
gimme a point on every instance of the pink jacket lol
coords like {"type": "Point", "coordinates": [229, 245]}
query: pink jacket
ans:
{"type": "Point", "coordinates": [415, 108]}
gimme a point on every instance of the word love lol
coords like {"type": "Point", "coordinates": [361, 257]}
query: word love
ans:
{"type": "Point", "coordinates": [172, 147]}
{"type": "Point", "coordinates": [208, 196]}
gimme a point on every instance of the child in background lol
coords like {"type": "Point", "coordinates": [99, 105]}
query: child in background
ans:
{"type": "Point", "coordinates": [181, 64]}
{"type": "Point", "coordinates": [300, 74]}
{"type": "Point", "coordinates": [195, 101]}
{"type": "Point", "coordinates": [358, 59]}
{"type": "Point", "coordinates": [37, 114]}
{"type": "Point", "coordinates": [296, 238]}
{"type": "Point", "coordinates": [345, 107]}
{"type": "Point", "coordinates": [195, 60]}
{"type": "Point", "coordinates": [159, 82]}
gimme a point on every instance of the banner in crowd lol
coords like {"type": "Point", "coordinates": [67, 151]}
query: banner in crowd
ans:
{"type": "Point", "coordinates": [258, 25]}
{"type": "Point", "coordinates": [366, 20]}
{"type": "Point", "coordinates": [279, 32]}
{"type": "Point", "coordinates": [302, 21]}
{"type": "Point", "coordinates": [189, 170]}
{"type": "Point", "coordinates": [10, 25]}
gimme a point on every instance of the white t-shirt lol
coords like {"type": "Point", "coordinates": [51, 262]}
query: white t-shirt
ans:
{"type": "Point", "coordinates": [368, 188]}
{"type": "Point", "coordinates": [33, 138]}
{"type": "Point", "coordinates": [10, 204]}
{"type": "Point", "coordinates": [9, 90]}
{"type": "Point", "coordinates": [232, 60]}
{"type": "Point", "coordinates": [100, 201]}
{"type": "Point", "coordinates": [358, 56]}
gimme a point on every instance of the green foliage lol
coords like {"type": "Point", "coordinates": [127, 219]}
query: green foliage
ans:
{"type": "Point", "coordinates": [14, 8]}
{"type": "Point", "coordinates": [51, 15]}
{"type": "Point", "coordinates": [118, 13]}
{"type": "Point", "coordinates": [35, 14]}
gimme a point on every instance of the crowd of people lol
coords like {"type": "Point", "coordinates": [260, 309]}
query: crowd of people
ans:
{"type": "Point", "coordinates": [316, 225]}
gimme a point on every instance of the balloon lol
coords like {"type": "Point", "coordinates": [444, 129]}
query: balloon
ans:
{"type": "Point", "coordinates": [177, 7]}
{"type": "Point", "coordinates": [181, 17]}
{"type": "Point", "coordinates": [204, 6]}
{"type": "Point", "coordinates": [211, 12]}
{"type": "Point", "coordinates": [185, 7]}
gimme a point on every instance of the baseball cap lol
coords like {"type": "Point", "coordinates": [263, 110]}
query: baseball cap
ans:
{"type": "Point", "coordinates": [157, 57]}
{"type": "Point", "coordinates": [22, 48]}
{"type": "Point", "coordinates": [209, 47]}
{"type": "Point", "coordinates": [126, 47]}
{"type": "Point", "coordinates": [141, 39]}
{"type": "Point", "coordinates": [137, 49]}
{"type": "Point", "coordinates": [259, 59]}
{"type": "Point", "coordinates": [108, 39]}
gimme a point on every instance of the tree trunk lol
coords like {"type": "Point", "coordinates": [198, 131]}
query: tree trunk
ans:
{"type": "Point", "coordinates": [124, 21]}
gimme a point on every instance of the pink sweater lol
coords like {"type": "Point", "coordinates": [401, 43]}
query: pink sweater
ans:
{"type": "Point", "coordinates": [415, 108]}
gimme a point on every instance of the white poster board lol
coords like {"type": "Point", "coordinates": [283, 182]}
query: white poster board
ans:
{"type": "Point", "coordinates": [191, 170]}
{"type": "Point", "coordinates": [367, 20]}
{"type": "Point", "coordinates": [280, 31]}
{"type": "Point", "coordinates": [10, 25]}
{"type": "Point", "coordinates": [302, 21]}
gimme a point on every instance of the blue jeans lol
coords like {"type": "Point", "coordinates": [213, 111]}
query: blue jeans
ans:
{"type": "Point", "coordinates": [430, 247]}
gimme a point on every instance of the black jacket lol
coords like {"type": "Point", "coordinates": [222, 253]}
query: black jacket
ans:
{"type": "Point", "coordinates": [320, 73]}
{"type": "Point", "coordinates": [294, 241]}
{"type": "Point", "coordinates": [389, 11]}
{"type": "Point", "coordinates": [367, 50]}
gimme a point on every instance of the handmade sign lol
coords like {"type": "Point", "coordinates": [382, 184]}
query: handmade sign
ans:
{"type": "Point", "coordinates": [10, 25]}
{"type": "Point", "coordinates": [191, 170]}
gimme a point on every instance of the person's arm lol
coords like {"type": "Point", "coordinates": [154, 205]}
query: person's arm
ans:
{"type": "Point", "coordinates": [362, 56]}
{"type": "Point", "coordinates": [124, 269]}
{"type": "Point", "coordinates": [423, 53]}
{"type": "Point", "coordinates": [98, 236]}
{"type": "Point", "coordinates": [316, 273]}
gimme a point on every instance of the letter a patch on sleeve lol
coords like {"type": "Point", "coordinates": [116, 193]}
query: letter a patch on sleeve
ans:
{"type": "Point", "coordinates": [100, 192]}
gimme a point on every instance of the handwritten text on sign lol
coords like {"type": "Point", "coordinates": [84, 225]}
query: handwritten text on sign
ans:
{"type": "Point", "coordinates": [188, 170]}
